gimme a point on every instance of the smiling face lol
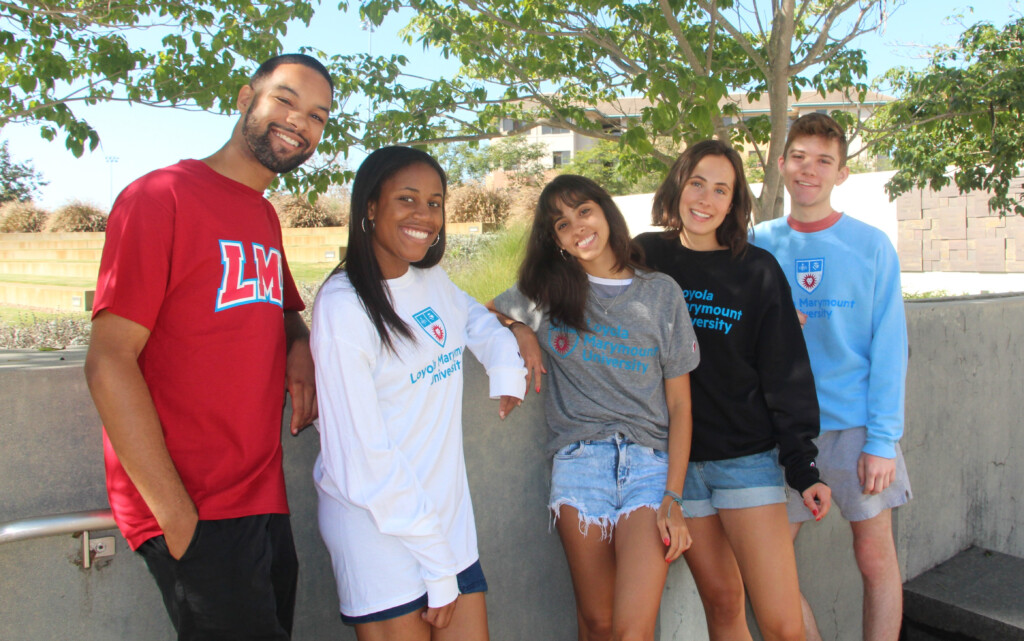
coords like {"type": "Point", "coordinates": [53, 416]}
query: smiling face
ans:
{"type": "Point", "coordinates": [285, 115]}
{"type": "Point", "coordinates": [407, 216]}
{"type": "Point", "coordinates": [582, 231]}
{"type": "Point", "coordinates": [705, 201]}
{"type": "Point", "coordinates": [811, 170]}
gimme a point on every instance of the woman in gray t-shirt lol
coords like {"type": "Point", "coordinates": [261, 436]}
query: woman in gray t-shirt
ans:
{"type": "Point", "coordinates": [619, 347]}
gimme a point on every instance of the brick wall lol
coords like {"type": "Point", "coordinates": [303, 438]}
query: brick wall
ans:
{"type": "Point", "coordinates": [946, 231]}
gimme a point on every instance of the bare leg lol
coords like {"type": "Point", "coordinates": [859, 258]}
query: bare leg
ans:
{"type": "Point", "coordinates": [640, 576]}
{"type": "Point", "coordinates": [592, 566]}
{"type": "Point", "coordinates": [717, 576]}
{"type": "Point", "coordinates": [761, 541]}
{"type": "Point", "coordinates": [810, 625]}
{"type": "Point", "coordinates": [883, 587]}
{"type": "Point", "coordinates": [469, 622]}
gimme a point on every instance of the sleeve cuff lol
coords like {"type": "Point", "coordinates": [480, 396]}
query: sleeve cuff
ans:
{"type": "Point", "coordinates": [441, 592]}
{"type": "Point", "coordinates": [803, 477]}
{"type": "Point", "coordinates": [507, 381]}
{"type": "Point", "coordinates": [883, 448]}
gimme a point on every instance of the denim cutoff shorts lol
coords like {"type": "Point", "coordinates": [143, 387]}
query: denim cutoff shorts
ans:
{"type": "Point", "coordinates": [606, 479]}
{"type": "Point", "coordinates": [733, 484]}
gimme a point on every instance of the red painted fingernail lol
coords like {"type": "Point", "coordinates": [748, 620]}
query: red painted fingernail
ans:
{"type": "Point", "coordinates": [666, 540]}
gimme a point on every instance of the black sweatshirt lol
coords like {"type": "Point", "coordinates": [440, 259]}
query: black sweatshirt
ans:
{"type": "Point", "coordinates": [753, 389]}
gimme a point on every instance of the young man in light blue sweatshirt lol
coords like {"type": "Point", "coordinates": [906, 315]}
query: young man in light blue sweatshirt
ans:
{"type": "Point", "coordinates": [845, 279]}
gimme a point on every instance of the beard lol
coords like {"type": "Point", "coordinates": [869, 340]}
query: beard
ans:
{"type": "Point", "coordinates": [261, 146]}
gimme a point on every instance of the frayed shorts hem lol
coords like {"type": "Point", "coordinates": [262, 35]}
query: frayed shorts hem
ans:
{"type": "Point", "coordinates": [606, 524]}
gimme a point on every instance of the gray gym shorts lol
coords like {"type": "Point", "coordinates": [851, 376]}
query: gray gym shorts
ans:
{"type": "Point", "coordinates": [838, 452]}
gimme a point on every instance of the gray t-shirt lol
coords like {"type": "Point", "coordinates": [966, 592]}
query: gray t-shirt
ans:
{"type": "Point", "coordinates": [611, 379]}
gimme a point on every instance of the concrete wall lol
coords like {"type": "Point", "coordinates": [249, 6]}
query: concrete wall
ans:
{"type": "Point", "coordinates": [964, 449]}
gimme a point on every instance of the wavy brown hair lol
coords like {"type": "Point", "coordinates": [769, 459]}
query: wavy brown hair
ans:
{"type": "Point", "coordinates": [555, 281]}
{"type": "Point", "coordinates": [732, 233]}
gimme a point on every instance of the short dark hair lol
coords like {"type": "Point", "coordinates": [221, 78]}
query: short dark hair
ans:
{"type": "Point", "coordinates": [558, 283]}
{"type": "Point", "coordinates": [732, 233]}
{"type": "Point", "coordinates": [360, 261]}
{"type": "Point", "coordinates": [822, 126]}
{"type": "Point", "coordinates": [268, 67]}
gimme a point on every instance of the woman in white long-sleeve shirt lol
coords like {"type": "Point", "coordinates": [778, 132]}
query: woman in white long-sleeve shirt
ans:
{"type": "Point", "coordinates": [389, 335]}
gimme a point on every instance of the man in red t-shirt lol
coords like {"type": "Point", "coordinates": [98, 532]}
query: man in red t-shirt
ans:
{"type": "Point", "coordinates": [196, 333]}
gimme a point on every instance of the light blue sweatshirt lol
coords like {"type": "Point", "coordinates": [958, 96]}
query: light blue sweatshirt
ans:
{"type": "Point", "coordinates": [846, 278]}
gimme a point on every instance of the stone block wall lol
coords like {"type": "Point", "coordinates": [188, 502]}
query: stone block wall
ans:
{"type": "Point", "coordinates": [946, 231]}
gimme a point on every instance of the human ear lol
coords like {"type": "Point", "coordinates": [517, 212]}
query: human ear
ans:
{"type": "Point", "coordinates": [844, 173]}
{"type": "Point", "coordinates": [245, 96]}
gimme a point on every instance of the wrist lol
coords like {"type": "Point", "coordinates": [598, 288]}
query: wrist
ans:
{"type": "Point", "coordinates": [511, 326]}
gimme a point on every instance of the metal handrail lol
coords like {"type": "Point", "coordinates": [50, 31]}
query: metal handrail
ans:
{"type": "Point", "coordinates": [56, 524]}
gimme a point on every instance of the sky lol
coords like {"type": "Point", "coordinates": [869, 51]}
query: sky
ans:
{"type": "Point", "coordinates": [135, 139]}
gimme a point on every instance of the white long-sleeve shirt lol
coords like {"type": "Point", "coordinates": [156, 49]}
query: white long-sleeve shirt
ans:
{"type": "Point", "coordinates": [395, 510]}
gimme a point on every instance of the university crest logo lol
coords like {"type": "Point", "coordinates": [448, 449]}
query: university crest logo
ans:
{"type": "Point", "coordinates": [563, 340]}
{"type": "Point", "coordinates": [809, 272]}
{"type": "Point", "coordinates": [431, 323]}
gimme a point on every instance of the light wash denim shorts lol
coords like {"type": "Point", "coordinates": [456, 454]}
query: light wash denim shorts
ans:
{"type": "Point", "coordinates": [607, 479]}
{"type": "Point", "coordinates": [733, 484]}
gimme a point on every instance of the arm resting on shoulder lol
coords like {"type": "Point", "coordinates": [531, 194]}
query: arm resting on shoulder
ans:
{"type": "Point", "coordinates": [124, 403]}
{"type": "Point", "coordinates": [529, 347]}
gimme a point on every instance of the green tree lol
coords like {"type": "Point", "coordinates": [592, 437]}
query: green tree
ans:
{"type": "Point", "coordinates": [183, 53]}
{"type": "Point", "coordinates": [962, 118]}
{"type": "Point", "coordinates": [603, 164]}
{"type": "Point", "coordinates": [167, 52]}
{"type": "Point", "coordinates": [556, 60]}
{"type": "Point", "coordinates": [18, 181]}
{"type": "Point", "coordinates": [469, 162]}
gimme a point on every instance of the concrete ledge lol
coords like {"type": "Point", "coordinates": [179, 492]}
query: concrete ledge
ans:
{"type": "Point", "coordinates": [86, 254]}
{"type": "Point", "coordinates": [976, 595]}
{"type": "Point", "coordinates": [54, 268]}
{"type": "Point", "coordinates": [33, 237]}
{"type": "Point", "coordinates": [77, 299]}
{"type": "Point", "coordinates": [314, 253]}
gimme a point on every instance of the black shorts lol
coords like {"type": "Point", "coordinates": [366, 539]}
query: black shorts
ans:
{"type": "Point", "coordinates": [235, 581]}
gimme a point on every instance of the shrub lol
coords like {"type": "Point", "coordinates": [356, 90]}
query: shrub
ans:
{"type": "Point", "coordinates": [77, 216]}
{"type": "Point", "coordinates": [473, 203]}
{"type": "Point", "coordinates": [21, 217]}
{"type": "Point", "coordinates": [296, 211]}
{"type": "Point", "coordinates": [524, 203]}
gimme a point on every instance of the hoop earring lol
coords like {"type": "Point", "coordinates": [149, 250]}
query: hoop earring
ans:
{"type": "Point", "coordinates": [563, 254]}
{"type": "Point", "coordinates": [437, 239]}
{"type": "Point", "coordinates": [363, 225]}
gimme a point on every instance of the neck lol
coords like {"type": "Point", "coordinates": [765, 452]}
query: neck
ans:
{"type": "Point", "coordinates": [236, 161]}
{"type": "Point", "coordinates": [699, 243]}
{"type": "Point", "coordinates": [608, 272]}
{"type": "Point", "coordinates": [603, 266]}
{"type": "Point", "coordinates": [811, 214]}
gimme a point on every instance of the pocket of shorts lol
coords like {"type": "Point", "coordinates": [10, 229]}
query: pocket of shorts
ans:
{"type": "Point", "coordinates": [660, 455]}
{"type": "Point", "coordinates": [190, 551]}
{"type": "Point", "coordinates": [571, 451]}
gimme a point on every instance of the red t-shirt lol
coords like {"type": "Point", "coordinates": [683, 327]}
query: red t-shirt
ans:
{"type": "Point", "coordinates": [197, 259]}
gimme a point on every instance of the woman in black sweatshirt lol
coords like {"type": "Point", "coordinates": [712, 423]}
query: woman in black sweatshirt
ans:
{"type": "Point", "coordinates": [754, 404]}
